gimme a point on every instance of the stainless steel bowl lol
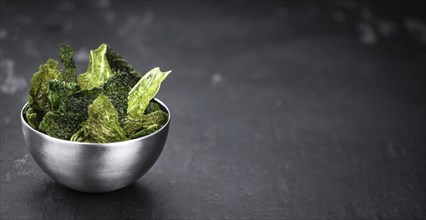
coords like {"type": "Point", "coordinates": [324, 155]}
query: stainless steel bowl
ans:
{"type": "Point", "coordinates": [91, 167]}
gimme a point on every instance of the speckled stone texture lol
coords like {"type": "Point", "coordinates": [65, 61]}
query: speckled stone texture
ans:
{"type": "Point", "coordinates": [280, 110]}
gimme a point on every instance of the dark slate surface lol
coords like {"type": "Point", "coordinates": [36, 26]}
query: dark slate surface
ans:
{"type": "Point", "coordinates": [280, 110]}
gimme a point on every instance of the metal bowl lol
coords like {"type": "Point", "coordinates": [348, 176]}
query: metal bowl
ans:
{"type": "Point", "coordinates": [91, 167]}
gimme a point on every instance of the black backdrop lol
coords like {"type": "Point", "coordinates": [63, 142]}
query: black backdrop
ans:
{"type": "Point", "coordinates": [293, 109]}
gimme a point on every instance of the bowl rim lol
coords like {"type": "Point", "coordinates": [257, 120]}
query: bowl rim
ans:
{"type": "Point", "coordinates": [24, 122]}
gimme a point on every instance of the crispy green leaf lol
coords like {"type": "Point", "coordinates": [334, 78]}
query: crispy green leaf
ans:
{"type": "Point", "coordinates": [144, 91]}
{"type": "Point", "coordinates": [60, 124]}
{"type": "Point", "coordinates": [132, 125]}
{"type": "Point", "coordinates": [69, 74]}
{"type": "Point", "coordinates": [152, 107]}
{"type": "Point", "coordinates": [150, 129]}
{"type": "Point", "coordinates": [72, 111]}
{"type": "Point", "coordinates": [78, 102]}
{"type": "Point", "coordinates": [98, 71]}
{"type": "Point", "coordinates": [102, 125]}
{"type": "Point", "coordinates": [59, 90]}
{"type": "Point", "coordinates": [33, 117]}
{"type": "Point", "coordinates": [117, 89]}
{"type": "Point", "coordinates": [33, 114]}
{"type": "Point", "coordinates": [39, 84]}
{"type": "Point", "coordinates": [119, 64]}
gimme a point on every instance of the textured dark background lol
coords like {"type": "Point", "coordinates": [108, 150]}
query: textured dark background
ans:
{"type": "Point", "coordinates": [295, 109]}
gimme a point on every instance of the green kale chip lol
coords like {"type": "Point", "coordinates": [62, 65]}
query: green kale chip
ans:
{"type": "Point", "coordinates": [98, 70]}
{"type": "Point", "coordinates": [148, 130]}
{"type": "Point", "coordinates": [61, 124]}
{"type": "Point", "coordinates": [59, 90]}
{"type": "Point", "coordinates": [38, 101]}
{"type": "Point", "coordinates": [39, 85]}
{"type": "Point", "coordinates": [78, 102]}
{"type": "Point", "coordinates": [69, 74]}
{"type": "Point", "coordinates": [117, 89]}
{"type": "Point", "coordinates": [33, 114]}
{"type": "Point", "coordinates": [72, 111]}
{"type": "Point", "coordinates": [145, 90]}
{"type": "Point", "coordinates": [102, 125]}
{"type": "Point", "coordinates": [152, 107]}
{"type": "Point", "coordinates": [119, 64]}
{"type": "Point", "coordinates": [133, 125]}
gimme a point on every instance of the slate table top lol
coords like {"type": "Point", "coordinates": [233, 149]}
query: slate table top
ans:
{"type": "Point", "coordinates": [280, 110]}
